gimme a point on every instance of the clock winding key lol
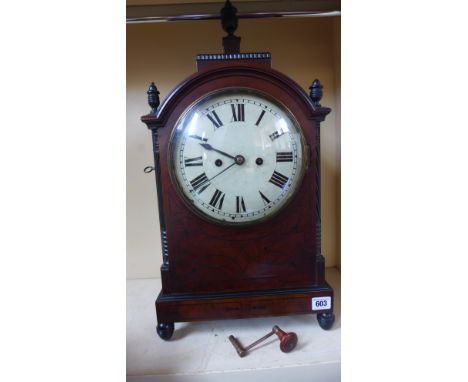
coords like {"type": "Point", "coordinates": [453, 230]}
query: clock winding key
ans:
{"type": "Point", "coordinates": [288, 341]}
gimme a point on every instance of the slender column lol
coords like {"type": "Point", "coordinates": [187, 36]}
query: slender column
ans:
{"type": "Point", "coordinates": [316, 94]}
{"type": "Point", "coordinates": [153, 101]}
{"type": "Point", "coordinates": [320, 113]}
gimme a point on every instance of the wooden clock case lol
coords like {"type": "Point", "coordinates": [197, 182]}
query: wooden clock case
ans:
{"type": "Point", "coordinates": [212, 271]}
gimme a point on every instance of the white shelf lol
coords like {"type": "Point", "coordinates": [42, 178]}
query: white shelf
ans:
{"type": "Point", "coordinates": [201, 351]}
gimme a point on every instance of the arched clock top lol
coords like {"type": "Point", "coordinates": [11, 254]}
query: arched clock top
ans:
{"type": "Point", "coordinates": [256, 76]}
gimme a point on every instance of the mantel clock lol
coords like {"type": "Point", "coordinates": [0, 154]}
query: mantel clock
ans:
{"type": "Point", "coordinates": [237, 164]}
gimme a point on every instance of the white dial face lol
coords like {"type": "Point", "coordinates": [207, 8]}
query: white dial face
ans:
{"type": "Point", "coordinates": [237, 156]}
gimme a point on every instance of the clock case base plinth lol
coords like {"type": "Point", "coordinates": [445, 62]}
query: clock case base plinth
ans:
{"type": "Point", "coordinates": [216, 306]}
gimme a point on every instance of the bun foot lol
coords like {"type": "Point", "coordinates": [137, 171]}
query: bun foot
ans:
{"type": "Point", "coordinates": [325, 320]}
{"type": "Point", "coordinates": [165, 330]}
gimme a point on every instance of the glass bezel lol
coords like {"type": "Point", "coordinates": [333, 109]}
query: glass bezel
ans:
{"type": "Point", "coordinates": [179, 128]}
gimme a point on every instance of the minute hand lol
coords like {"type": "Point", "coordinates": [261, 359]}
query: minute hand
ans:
{"type": "Point", "coordinates": [207, 146]}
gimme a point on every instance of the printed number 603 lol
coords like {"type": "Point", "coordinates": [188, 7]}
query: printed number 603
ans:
{"type": "Point", "coordinates": [321, 303]}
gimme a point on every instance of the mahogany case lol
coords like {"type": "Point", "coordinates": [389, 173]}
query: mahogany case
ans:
{"type": "Point", "coordinates": [212, 271]}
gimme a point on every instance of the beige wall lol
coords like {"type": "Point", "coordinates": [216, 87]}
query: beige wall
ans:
{"type": "Point", "coordinates": [165, 53]}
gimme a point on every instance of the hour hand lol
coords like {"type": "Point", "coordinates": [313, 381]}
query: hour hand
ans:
{"type": "Point", "coordinates": [207, 146]}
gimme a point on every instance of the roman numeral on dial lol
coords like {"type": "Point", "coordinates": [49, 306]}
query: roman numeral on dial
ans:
{"type": "Point", "coordinates": [198, 161]}
{"type": "Point", "coordinates": [217, 199]}
{"type": "Point", "coordinates": [213, 117]}
{"type": "Point", "coordinates": [200, 183]}
{"type": "Point", "coordinates": [239, 116]}
{"type": "Point", "coordinates": [264, 198]}
{"type": "Point", "coordinates": [284, 156]}
{"type": "Point", "coordinates": [260, 117]}
{"type": "Point", "coordinates": [240, 205]}
{"type": "Point", "coordinates": [276, 134]}
{"type": "Point", "coordinates": [278, 179]}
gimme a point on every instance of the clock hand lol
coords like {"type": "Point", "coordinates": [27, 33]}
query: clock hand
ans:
{"type": "Point", "coordinates": [219, 173]}
{"type": "Point", "coordinates": [207, 146]}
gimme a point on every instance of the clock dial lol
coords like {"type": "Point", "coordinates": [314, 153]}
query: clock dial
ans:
{"type": "Point", "coordinates": [237, 156]}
